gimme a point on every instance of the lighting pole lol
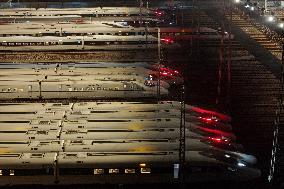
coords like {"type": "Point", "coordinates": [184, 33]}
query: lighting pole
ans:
{"type": "Point", "coordinates": [182, 147]}
{"type": "Point", "coordinates": [140, 6]}
{"type": "Point", "coordinates": [229, 61]}
{"type": "Point", "coordinates": [159, 61]}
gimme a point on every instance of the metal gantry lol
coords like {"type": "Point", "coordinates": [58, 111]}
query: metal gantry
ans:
{"type": "Point", "coordinates": [276, 172]}
{"type": "Point", "coordinates": [182, 147]}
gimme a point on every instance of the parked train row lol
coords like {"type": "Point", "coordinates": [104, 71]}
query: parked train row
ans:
{"type": "Point", "coordinates": [116, 138]}
{"type": "Point", "coordinates": [109, 28]}
{"type": "Point", "coordinates": [119, 80]}
{"type": "Point", "coordinates": [84, 12]}
{"type": "Point", "coordinates": [132, 15]}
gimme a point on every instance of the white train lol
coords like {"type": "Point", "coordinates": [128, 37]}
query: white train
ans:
{"type": "Point", "coordinates": [109, 28]}
{"type": "Point", "coordinates": [61, 167]}
{"type": "Point", "coordinates": [106, 145]}
{"type": "Point", "coordinates": [94, 42]}
{"type": "Point", "coordinates": [83, 12]}
{"type": "Point", "coordinates": [87, 81]}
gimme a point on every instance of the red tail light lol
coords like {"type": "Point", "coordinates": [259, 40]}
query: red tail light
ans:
{"type": "Point", "coordinates": [219, 140]}
{"type": "Point", "coordinates": [168, 72]}
{"type": "Point", "coordinates": [159, 13]}
{"type": "Point", "coordinates": [209, 119]}
{"type": "Point", "coordinates": [167, 40]}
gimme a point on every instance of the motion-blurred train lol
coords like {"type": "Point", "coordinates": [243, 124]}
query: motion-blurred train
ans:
{"type": "Point", "coordinates": [121, 167]}
{"type": "Point", "coordinates": [120, 80]}
{"type": "Point", "coordinates": [112, 29]}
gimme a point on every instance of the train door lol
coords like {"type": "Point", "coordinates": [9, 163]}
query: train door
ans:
{"type": "Point", "coordinates": [128, 89]}
{"type": "Point", "coordinates": [140, 43]}
{"type": "Point", "coordinates": [30, 91]}
{"type": "Point", "coordinates": [80, 44]}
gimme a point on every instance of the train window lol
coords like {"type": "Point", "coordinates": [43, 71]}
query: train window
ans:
{"type": "Point", "coordinates": [55, 142]}
{"type": "Point", "coordinates": [76, 142]}
{"type": "Point", "coordinates": [34, 148]}
{"type": "Point", "coordinates": [129, 171]}
{"type": "Point", "coordinates": [108, 33]}
{"type": "Point", "coordinates": [145, 170]}
{"type": "Point", "coordinates": [100, 34]}
{"type": "Point", "coordinates": [113, 171]}
{"type": "Point", "coordinates": [42, 132]}
{"type": "Point", "coordinates": [98, 171]}
{"type": "Point", "coordinates": [98, 88]}
{"type": "Point", "coordinates": [9, 155]}
{"type": "Point", "coordinates": [71, 132]}
{"type": "Point", "coordinates": [36, 155]}
{"type": "Point", "coordinates": [1, 172]}
{"type": "Point", "coordinates": [12, 173]}
{"type": "Point", "coordinates": [31, 137]}
{"type": "Point", "coordinates": [107, 43]}
{"type": "Point", "coordinates": [44, 122]}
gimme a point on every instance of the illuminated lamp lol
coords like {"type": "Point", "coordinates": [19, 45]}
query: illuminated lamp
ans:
{"type": "Point", "coordinates": [142, 164]}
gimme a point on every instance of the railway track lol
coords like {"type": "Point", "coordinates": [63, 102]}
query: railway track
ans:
{"type": "Point", "coordinates": [84, 56]}
{"type": "Point", "coordinates": [254, 88]}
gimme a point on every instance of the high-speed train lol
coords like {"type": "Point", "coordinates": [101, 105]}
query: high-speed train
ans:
{"type": "Point", "coordinates": [84, 12]}
{"type": "Point", "coordinates": [115, 29]}
{"type": "Point", "coordinates": [131, 15]}
{"type": "Point", "coordinates": [120, 80]}
{"type": "Point", "coordinates": [60, 167]}
{"type": "Point", "coordinates": [108, 145]}
{"type": "Point", "coordinates": [94, 42]}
